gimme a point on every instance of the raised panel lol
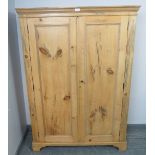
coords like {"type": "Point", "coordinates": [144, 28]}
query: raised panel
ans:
{"type": "Point", "coordinates": [102, 43]}
{"type": "Point", "coordinates": [53, 48]}
{"type": "Point", "coordinates": [55, 78]}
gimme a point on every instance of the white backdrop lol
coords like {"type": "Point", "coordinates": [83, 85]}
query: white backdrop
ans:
{"type": "Point", "coordinates": [137, 106]}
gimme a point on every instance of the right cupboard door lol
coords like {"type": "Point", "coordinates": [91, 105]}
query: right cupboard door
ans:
{"type": "Point", "coordinates": [101, 51]}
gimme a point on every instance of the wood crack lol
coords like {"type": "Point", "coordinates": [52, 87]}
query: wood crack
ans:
{"type": "Point", "coordinates": [92, 72]}
{"type": "Point", "coordinates": [97, 50]}
{"type": "Point", "coordinates": [126, 60]}
{"type": "Point", "coordinates": [98, 56]}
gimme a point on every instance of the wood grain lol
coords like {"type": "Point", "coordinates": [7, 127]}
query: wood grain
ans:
{"type": "Point", "coordinates": [122, 146]}
{"type": "Point", "coordinates": [55, 57]}
{"type": "Point", "coordinates": [101, 47]}
{"type": "Point", "coordinates": [29, 77]}
{"type": "Point", "coordinates": [78, 70]}
{"type": "Point", "coordinates": [106, 10]}
{"type": "Point", "coordinates": [127, 75]}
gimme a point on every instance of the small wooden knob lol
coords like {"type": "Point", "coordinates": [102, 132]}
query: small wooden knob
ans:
{"type": "Point", "coordinates": [110, 71]}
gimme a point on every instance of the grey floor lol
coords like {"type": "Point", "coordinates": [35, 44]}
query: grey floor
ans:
{"type": "Point", "coordinates": [136, 146]}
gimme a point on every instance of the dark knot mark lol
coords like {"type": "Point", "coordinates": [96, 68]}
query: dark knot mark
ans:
{"type": "Point", "coordinates": [26, 56]}
{"type": "Point", "coordinates": [67, 97]}
{"type": "Point", "coordinates": [82, 81]}
{"type": "Point", "coordinates": [58, 53]}
{"type": "Point", "coordinates": [45, 51]}
{"type": "Point", "coordinates": [101, 110]}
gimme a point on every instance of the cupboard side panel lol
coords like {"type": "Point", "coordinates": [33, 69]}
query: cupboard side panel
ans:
{"type": "Point", "coordinates": [127, 75]}
{"type": "Point", "coordinates": [36, 79]}
{"type": "Point", "coordinates": [29, 77]}
{"type": "Point", "coordinates": [120, 77]}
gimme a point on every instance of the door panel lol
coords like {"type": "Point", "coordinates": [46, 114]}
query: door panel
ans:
{"type": "Point", "coordinates": [101, 65]}
{"type": "Point", "coordinates": [53, 42]}
{"type": "Point", "coordinates": [101, 60]}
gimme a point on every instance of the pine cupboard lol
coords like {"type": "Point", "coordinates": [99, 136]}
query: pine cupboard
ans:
{"type": "Point", "coordinates": [78, 67]}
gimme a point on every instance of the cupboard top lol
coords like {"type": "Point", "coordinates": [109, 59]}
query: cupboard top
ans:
{"type": "Point", "coordinates": [78, 11]}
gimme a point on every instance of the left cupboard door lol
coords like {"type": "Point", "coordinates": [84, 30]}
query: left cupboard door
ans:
{"type": "Point", "coordinates": [50, 59]}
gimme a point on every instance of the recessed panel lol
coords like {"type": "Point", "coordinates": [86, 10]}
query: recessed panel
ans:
{"type": "Point", "coordinates": [102, 43]}
{"type": "Point", "coordinates": [54, 60]}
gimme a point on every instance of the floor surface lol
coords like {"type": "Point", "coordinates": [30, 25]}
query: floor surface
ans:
{"type": "Point", "coordinates": [136, 146]}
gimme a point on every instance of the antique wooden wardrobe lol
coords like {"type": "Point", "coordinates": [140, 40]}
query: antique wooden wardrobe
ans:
{"type": "Point", "coordinates": [78, 67]}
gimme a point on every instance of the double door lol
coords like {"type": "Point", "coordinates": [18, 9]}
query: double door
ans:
{"type": "Point", "coordinates": [75, 72]}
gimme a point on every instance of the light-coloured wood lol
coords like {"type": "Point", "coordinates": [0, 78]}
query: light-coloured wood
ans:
{"type": "Point", "coordinates": [101, 65]}
{"type": "Point", "coordinates": [36, 81]}
{"type": "Point", "coordinates": [120, 75]}
{"type": "Point", "coordinates": [78, 69]}
{"type": "Point", "coordinates": [108, 10]}
{"type": "Point", "coordinates": [82, 9]}
{"type": "Point", "coordinates": [77, 14]}
{"type": "Point", "coordinates": [29, 77]}
{"type": "Point", "coordinates": [127, 75]}
{"type": "Point", "coordinates": [122, 146]}
{"type": "Point", "coordinates": [36, 148]}
{"type": "Point", "coordinates": [55, 69]}
{"type": "Point", "coordinates": [80, 77]}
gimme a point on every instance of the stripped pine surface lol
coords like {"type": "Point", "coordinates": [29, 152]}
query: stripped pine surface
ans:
{"type": "Point", "coordinates": [78, 68]}
{"type": "Point", "coordinates": [54, 67]}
